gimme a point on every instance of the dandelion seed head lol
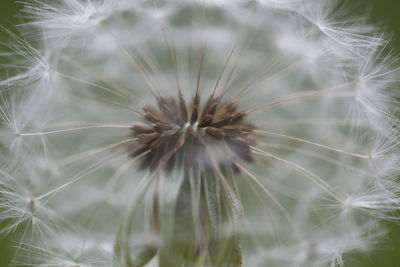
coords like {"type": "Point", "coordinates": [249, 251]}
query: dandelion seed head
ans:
{"type": "Point", "coordinates": [198, 133]}
{"type": "Point", "coordinates": [176, 129]}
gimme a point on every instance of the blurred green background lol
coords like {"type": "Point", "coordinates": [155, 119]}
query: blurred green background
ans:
{"type": "Point", "coordinates": [385, 13]}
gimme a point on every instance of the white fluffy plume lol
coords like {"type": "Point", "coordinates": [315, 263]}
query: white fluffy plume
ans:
{"type": "Point", "coordinates": [300, 170]}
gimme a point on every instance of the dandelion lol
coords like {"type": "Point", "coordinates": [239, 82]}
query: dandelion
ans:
{"type": "Point", "coordinates": [197, 133]}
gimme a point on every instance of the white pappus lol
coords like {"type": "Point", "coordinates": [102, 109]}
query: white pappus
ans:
{"type": "Point", "coordinates": [197, 133]}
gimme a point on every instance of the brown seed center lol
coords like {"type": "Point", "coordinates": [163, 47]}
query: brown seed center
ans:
{"type": "Point", "coordinates": [215, 135]}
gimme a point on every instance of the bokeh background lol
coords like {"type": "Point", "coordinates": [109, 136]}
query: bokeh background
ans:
{"type": "Point", "coordinates": [385, 13]}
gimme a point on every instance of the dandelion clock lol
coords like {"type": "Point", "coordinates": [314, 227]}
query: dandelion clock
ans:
{"type": "Point", "coordinates": [197, 133]}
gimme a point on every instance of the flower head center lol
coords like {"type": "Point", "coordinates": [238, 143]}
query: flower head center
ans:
{"type": "Point", "coordinates": [199, 137]}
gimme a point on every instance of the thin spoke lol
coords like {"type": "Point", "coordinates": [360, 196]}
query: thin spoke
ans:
{"type": "Point", "coordinates": [92, 168]}
{"type": "Point", "coordinates": [86, 172]}
{"type": "Point", "coordinates": [271, 196]}
{"type": "Point", "coordinates": [281, 187]}
{"type": "Point", "coordinates": [91, 84]}
{"type": "Point", "coordinates": [300, 95]}
{"type": "Point", "coordinates": [227, 85]}
{"type": "Point", "coordinates": [172, 57]}
{"type": "Point", "coordinates": [308, 174]}
{"type": "Point", "coordinates": [268, 70]}
{"type": "Point", "coordinates": [263, 78]}
{"type": "Point", "coordinates": [118, 105]}
{"type": "Point", "coordinates": [75, 129]}
{"type": "Point", "coordinates": [318, 156]}
{"type": "Point", "coordinates": [314, 121]}
{"type": "Point", "coordinates": [98, 76]}
{"type": "Point", "coordinates": [135, 62]}
{"type": "Point", "coordinates": [266, 133]}
{"type": "Point", "coordinates": [202, 49]}
{"type": "Point", "coordinates": [85, 156]}
{"type": "Point", "coordinates": [107, 194]}
{"type": "Point", "coordinates": [235, 45]}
